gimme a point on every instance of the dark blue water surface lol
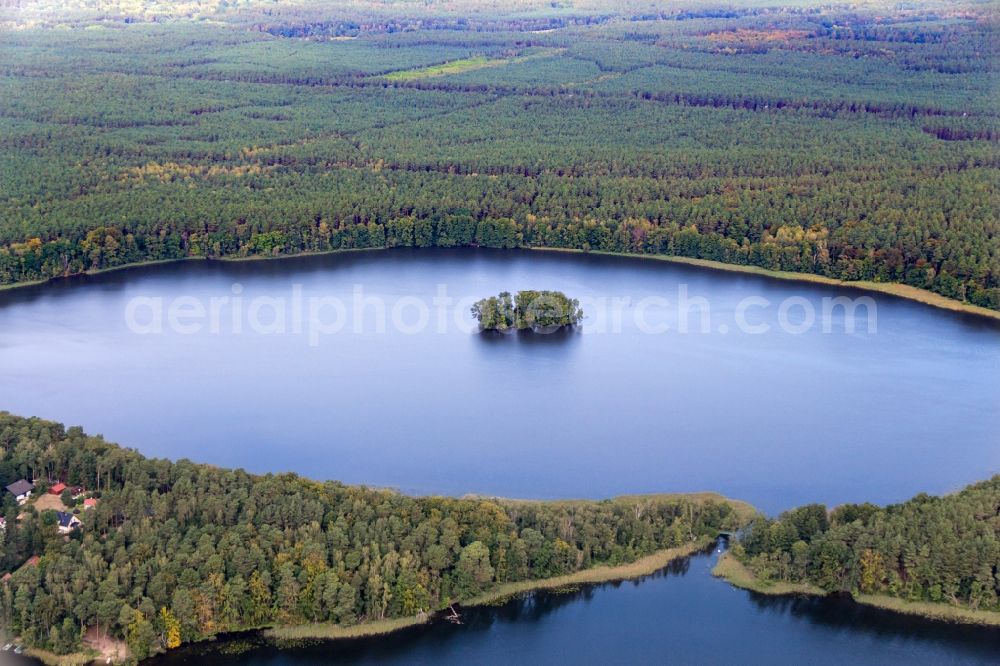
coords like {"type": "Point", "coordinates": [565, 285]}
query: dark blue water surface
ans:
{"type": "Point", "coordinates": [906, 401]}
{"type": "Point", "coordinates": [682, 615]}
{"type": "Point", "coordinates": [776, 418]}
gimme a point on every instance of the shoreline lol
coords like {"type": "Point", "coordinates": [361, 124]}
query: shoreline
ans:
{"type": "Point", "coordinates": [894, 289]}
{"type": "Point", "coordinates": [99, 271]}
{"type": "Point", "coordinates": [736, 574]}
{"type": "Point", "coordinates": [326, 631]}
{"type": "Point", "coordinates": [643, 566]}
{"type": "Point", "coordinates": [595, 575]}
{"type": "Point", "coordinates": [728, 569]}
{"type": "Point", "coordinates": [281, 634]}
{"type": "Point", "coordinates": [52, 659]}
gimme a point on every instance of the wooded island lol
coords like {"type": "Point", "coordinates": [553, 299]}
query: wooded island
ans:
{"type": "Point", "coordinates": [528, 310]}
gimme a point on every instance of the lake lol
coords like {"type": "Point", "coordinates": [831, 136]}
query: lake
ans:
{"type": "Point", "coordinates": [406, 394]}
{"type": "Point", "coordinates": [367, 368]}
{"type": "Point", "coordinates": [681, 615]}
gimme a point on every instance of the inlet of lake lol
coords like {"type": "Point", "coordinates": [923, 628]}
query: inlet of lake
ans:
{"type": "Point", "coordinates": [680, 379]}
{"type": "Point", "coordinates": [680, 615]}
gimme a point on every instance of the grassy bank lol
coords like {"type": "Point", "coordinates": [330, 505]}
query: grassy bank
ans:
{"type": "Point", "coordinates": [602, 574]}
{"type": "Point", "coordinates": [331, 631]}
{"type": "Point", "coordinates": [928, 609]}
{"type": "Point", "coordinates": [739, 576]}
{"type": "Point", "coordinates": [599, 574]}
{"type": "Point", "coordinates": [890, 288]}
{"type": "Point", "coordinates": [895, 289]}
{"type": "Point", "coordinates": [53, 659]}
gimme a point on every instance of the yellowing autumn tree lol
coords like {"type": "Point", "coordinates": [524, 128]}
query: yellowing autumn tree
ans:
{"type": "Point", "coordinates": [171, 629]}
{"type": "Point", "coordinates": [872, 571]}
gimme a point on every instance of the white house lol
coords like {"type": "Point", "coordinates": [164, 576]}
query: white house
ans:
{"type": "Point", "coordinates": [21, 490]}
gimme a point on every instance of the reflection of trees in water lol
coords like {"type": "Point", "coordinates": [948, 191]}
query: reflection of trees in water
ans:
{"type": "Point", "coordinates": [530, 607]}
{"type": "Point", "coordinates": [533, 606]}
{"type": "Point", "coordinates": [525, 608]}
{"type": "Point", "coordinates": [837, 613]}
{"type": "Point", "coordinates": [842, 612]}
{"type": "Point", "coordinates": [557, 337]}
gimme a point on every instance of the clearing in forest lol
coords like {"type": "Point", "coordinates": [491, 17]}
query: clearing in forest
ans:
{"type": "Point", "coordinates": [464, 65]}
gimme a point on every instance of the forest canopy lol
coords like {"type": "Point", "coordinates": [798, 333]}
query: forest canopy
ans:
{"type": "Point", "coordinates": [936, 549]}
{"type": "Point", "coordinates": [527, 310]}
{"type": "Point", "coordinates": [176, 551]}
{"type": "Point", "coordinates": [853, 141]}
{"type": "Point", "coordinates": [857, 143]}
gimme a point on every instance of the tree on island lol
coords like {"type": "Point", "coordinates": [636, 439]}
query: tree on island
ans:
{"type": "Point", "coordinates": [529, 309]}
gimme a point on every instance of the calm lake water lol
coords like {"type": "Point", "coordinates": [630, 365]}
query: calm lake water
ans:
{"type": "Point", "coordinates": [621, 406]}
{"type": "Point", "coordinates": [630, 403]}
{"type": "Point", "coordinates": [682, 615]}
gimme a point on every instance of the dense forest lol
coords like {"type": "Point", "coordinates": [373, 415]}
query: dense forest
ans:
{"type": "Point", "coordinates": [857, 140]}
{"type": "Point", "coordinates": [851, 141]}
{"type": "Point", "coordinates": [175, 552]}
{"type": "Point", "coordinates": [942, 549]}
{"type": "Point", "coordinates": [527, 310]}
